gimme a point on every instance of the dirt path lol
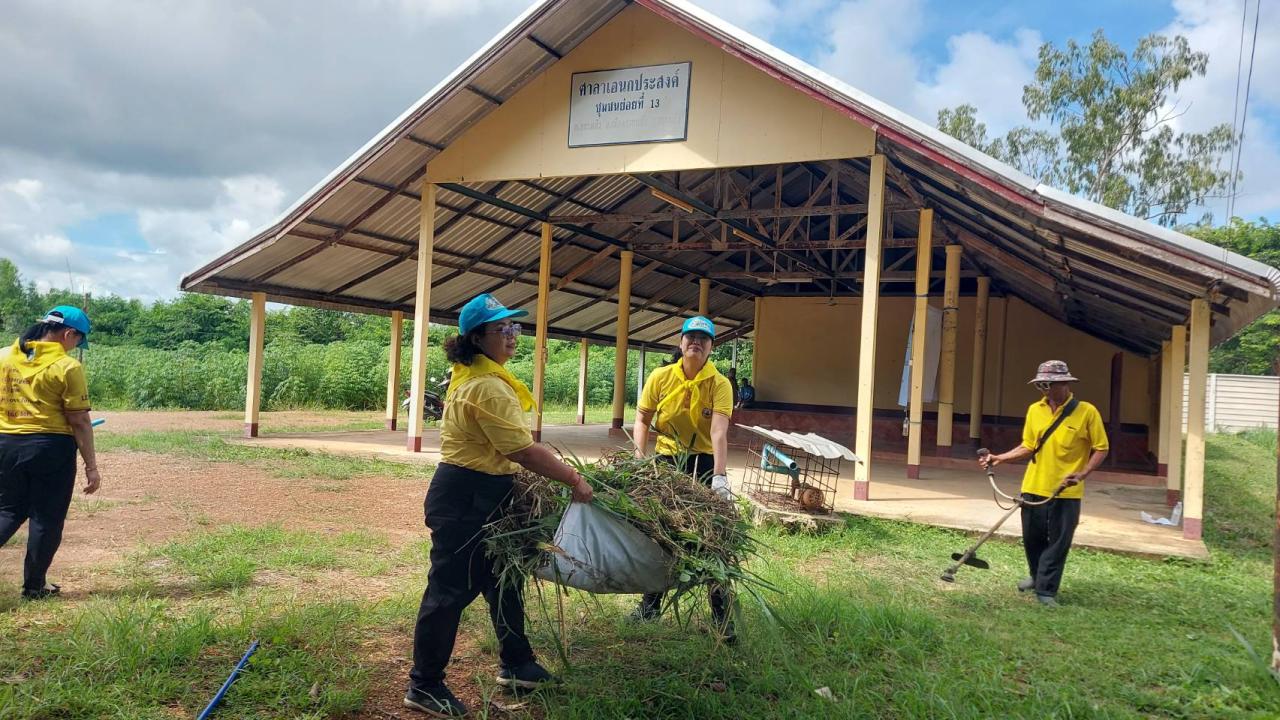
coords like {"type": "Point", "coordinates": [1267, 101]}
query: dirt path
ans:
{"type": "Point", "coordinates": [228, 422]}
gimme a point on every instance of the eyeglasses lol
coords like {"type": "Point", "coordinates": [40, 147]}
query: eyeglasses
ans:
{"type": "Point", "coordinates": [512, 330]}
{"type": "Point", "coordinates": [1043, 386]}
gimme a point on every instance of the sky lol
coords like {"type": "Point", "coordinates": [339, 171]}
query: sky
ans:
{"type": "Point", "coordinates": [139, 140]}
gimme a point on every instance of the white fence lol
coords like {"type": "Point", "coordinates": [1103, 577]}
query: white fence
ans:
{"type": "Point", "coordinates": [1237, 402]}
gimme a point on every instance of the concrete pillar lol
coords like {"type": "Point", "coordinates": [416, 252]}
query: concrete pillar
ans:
{"type": "Point", "coordinates": [704, 297]}
{"type": "Point", "coordinates": [582, 382]}
{"type": "Point", "coordinates": [919, 334]}
{"type": "Point", "coordinates": [977, 385]}
{"type": "Point", "coordinates": [1166, 398]}
{"type": "Point", "coordinates": [393, 369]}
{"type": "Point", "coordinates": [947, 363]}
{"type": "Point", "coordinates": [620, 343]}
{"type": "Point", "coordinates": [867, 331]}
{"type": "Point", "coordinates": [540, 334]}
{"type": "Point", "coordinates": [1197, 385]}
{"type": "Point", "coordinates": [253, 386]}
{"type": "Point", "coordinates": [1177, 363]}
{"type": "Point", "coordinates": [421, 317]}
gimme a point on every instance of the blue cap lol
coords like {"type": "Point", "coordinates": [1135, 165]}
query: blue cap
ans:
{"type": "Point", "coordinates": [483, 309]}
{"type": "Point", "coordinates": [697, 323]}
{"type": "Point", "coordinates": [72, 317]}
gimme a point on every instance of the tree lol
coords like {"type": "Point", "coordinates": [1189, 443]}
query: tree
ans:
{"type": "Point", "coordinates": [1111, 140]}
{"type": "Point", "coordinates": [1252, 350]}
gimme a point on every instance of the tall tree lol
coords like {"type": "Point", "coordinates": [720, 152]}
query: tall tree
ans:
{"type": "Point", "coordinates": [1111, 137]}
{"type": "Point", "coordinates": [1252, 350]}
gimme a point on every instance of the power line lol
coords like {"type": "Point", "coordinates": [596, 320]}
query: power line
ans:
{"type": "Point", "coordinates": [1244, 115]}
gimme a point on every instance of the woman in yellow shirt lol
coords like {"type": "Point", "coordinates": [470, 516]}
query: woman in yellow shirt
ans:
{"type": "Point", "coordinates": [44, 418]}
{"type": "Point", "coordinates": [689, 404]}
{"type": "Point", "coordinates": [484, 440]}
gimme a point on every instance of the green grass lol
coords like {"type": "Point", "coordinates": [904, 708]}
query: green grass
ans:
{"type": "Point", "coordinates": [865, 617]}
{"type": "Point", "coordinates": [568, 414]}
{"type": "Point", "coordinates": [329, 469]}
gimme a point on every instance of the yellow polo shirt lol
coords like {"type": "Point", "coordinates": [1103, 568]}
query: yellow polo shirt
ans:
{"type": "Point", "coordinates": [1066, 451]}
{"type": "Point", "coordinates": [482, 424]}
{"type": "Point", "coordinates": [37, 390]}
{"type": "Point", "coordinates": [674, 419]}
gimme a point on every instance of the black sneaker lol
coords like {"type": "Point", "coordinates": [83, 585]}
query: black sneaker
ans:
{"type": "Point", "coordinates": [48, 591]}
{"type": "Point", "coordinates": [526, 676]}
{"type": "Point", "coordinates": [436, 702]}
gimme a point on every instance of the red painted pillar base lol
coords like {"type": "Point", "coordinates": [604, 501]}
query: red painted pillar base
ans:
{"type": "Point", "coordinates": [414, 444]}
{"type": "Point", "coordinates": [391, 424]}
{"type": "Point", "coordinates": [617, 423]}
{"type": "Point", "coordinates": [861, 490]}
{"type": "Point", "coordinates": [537, 435]}
{"type": "Point", "coordinates": [251, 430]}
{"type": "Point", "coordinates": [1171, 497]}
{"type": "Point", "coordinates": [1162, 470]}
{"type": "Point", "coordinates": [1192, 528]}
{"type": "Point", "coordinates": [913, 472]}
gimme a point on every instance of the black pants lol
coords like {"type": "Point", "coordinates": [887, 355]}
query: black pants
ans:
{"type": "Point", "coordinates": [700, 467]}
{"type": "Point", "coordinates": [459, 503]}
{"type": "Point", "coordinates": [1047, 531]}
{"type": "Point", "coordinates": [37, 478]}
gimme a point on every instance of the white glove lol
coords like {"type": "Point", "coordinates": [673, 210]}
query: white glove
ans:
{"type": "Point", "coordinates": [720, 485]}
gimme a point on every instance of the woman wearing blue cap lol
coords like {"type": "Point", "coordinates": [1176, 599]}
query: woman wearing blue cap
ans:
{"type": "Point", "coordinates": [484, 440]}
{"type": "Point", "coordinates": [689, 404]}
{"type": "Point", "coordinates": [44, 417]}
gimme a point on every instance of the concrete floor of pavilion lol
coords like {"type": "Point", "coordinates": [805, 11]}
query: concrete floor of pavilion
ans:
{"type": "Point", "coordinates": [954, 496]}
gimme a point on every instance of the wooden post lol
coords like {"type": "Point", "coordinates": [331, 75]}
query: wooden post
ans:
{"type": "Point", "coordinates": [977, 385]}
{"type": "Point", "coordinates": [947, 365]}
{"type": "Point", "coordinates": [1177, 361]}
{"type": "Point", "coordinates": [393, 369]}
{"type": "Point", "coordinates": [1114, 400]}
{"type": "Point", "coordinates": [704, 296]}
{"type": "Point", "coordinates": [867, 332]}
{"type": "Point", "coordinates": [919, 334]}
{"type": "Point", "coordinates": [1166, 398]}
{"type": "Point", "coordinates": [421, 317]}
{"type": "Point", "coordinates": [582, 382]}
{"type": "Point", "coordinates": [253, 387]}
{"type": "Point", "coordinates": [1198, 370]}
{"type": "Point", "coordinates": [620, 343]}
{"type": "Point", "coordinates": [540, 335]}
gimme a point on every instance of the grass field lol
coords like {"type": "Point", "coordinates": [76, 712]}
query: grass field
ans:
{"type": "Point", "coordinates": [865, 617]}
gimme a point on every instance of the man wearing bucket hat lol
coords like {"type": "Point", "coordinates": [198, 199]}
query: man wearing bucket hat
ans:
{"type": "Point", "coordinates": [484, 440]}
{"type": "Point", "coordinates": [688, 403]}
{"type": "Point", "coordinates": [44, 419]}
{"type": "Point", "coordinates": [1065, 441]}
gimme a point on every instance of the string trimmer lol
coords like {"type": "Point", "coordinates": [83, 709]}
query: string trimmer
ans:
{"type": "Point", "coordinates": [970, 557]}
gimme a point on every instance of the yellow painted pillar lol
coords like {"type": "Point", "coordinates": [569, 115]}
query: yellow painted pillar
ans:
{"type": "Point", "coordinates": [947, 363]}
{"type": "Point", "coordinates": [393, 369]}
{"type": "Point", "coordinates": [919, 335]}
{"type": "Point", "coordinates": [421, 317]}
{"type": "Point", "coordinates": [1177, 363]}
{"type": "Point", "coordinates": [253, 387]}
{"type": "Point", "coordinates": [704, 296]}
{"type": "Point", "coordinates": [867, 343]}
{"type": "Point", "coordinates": [540, 335]}
{"type": "Point", "coordinates": [1166, 392]}
{"type": "Point", "coordinates": [978, 385]}
{"type": "Point", "coordinates": [1197, 385]}
{"type": "Point", "coordinates": [582, 383]}
{"type": "Point", "coordinates": [623, 332]}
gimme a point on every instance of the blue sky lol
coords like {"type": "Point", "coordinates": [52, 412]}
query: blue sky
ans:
{"type": "Point", "coordinates": [138, 161]}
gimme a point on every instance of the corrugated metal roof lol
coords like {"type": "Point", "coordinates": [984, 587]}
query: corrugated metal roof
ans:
{"type": "Point", "coordinates": [815, 445]}
{"type": "Point", "coordinates": [350, 242]}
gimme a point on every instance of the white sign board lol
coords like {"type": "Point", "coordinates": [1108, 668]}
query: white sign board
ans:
{"type": "Point", "coordinates": [630, 105]}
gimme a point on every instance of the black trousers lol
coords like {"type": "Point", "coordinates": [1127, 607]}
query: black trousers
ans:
{"type": "Point", "coordinates": [37, 478]}
{"type": "Point", "coordinates": [700, 467]}
{"type": "Point", "coordinates": [1047, 531]}
{"type": "Point", "coordinates": [458, 504]}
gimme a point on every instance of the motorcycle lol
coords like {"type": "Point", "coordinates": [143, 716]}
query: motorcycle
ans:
{"type": "Point", "coordinates": [433, 396]}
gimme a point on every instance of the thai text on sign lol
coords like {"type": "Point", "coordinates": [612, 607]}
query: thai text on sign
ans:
{"type": "Point", "coordinates": [629, 105]}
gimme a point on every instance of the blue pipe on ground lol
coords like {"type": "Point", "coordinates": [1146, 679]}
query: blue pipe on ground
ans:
{"type": "Point", "coordinates": [226, 685]}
